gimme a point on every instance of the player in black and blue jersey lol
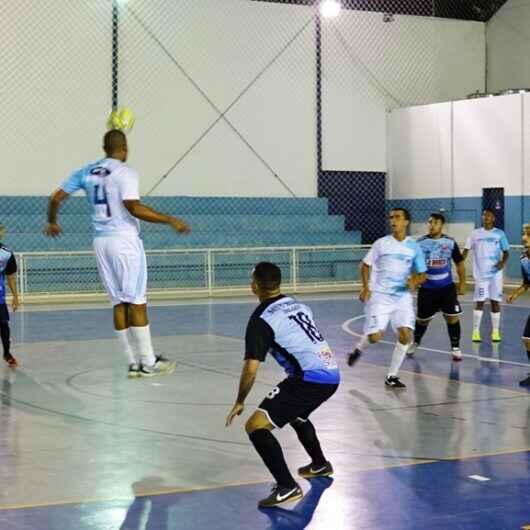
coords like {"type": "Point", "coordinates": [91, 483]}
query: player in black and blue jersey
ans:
{"type": "Point", "coordinates": [8, 269]}
{"type": "Point", "coordinates": [525, 285]}
{"type": "Point", "coordinates": [285, 327]}
{"type": "Point", "coordinates": [439, 292]}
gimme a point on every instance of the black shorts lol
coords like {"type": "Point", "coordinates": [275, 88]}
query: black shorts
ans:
{"type": "Point", "coordinates": [526, 334]}
{"type": "Point", "coordinates": [431, 301]}
{"type": "Point", "coordinates": [4, 313]}
{"type": "Point", "coordinates": [294, 398]}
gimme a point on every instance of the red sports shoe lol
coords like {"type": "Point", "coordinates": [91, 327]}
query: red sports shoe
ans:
{"type": "Point", "coordinates": [11, 361]}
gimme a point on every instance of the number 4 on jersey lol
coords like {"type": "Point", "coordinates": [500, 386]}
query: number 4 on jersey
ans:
{"type": "Point", "coordinates": [100, 197]}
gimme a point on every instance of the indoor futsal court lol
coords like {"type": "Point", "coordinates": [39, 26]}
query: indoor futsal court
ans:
{"type": "Point", "coordinates": [264, 265]}
{"type": "Point", "coordinates": [85, 448]}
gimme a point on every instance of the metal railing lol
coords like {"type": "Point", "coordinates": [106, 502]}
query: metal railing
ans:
{"type": "Point", "coordinates": [185, 272]}
{"type": "Point", "coordinates": [206, 272]}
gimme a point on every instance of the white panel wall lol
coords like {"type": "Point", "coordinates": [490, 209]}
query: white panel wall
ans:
{"type": "Point", "coordinates": [370, 66]}
{"type": "Point", "coordinates": [508, 40]}
{"type": "Point", "coordinates": [420, 151]}
{"type": "Point", "coordinates": [438, 152]}
{"type": "Point", "coordinates": [224, 46]}
{"type": "Point", "coordinates": [54, 89]}
{"type": "Point", "coordinates": [487, 145]}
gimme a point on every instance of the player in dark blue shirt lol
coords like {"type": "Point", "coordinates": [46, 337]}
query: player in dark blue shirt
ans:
{"type": "Point", "coordinates": [439, 293]}
{"type": "Point", "coordinates": [285, 328]}
{"type": "Point", "coordinates": [525, 285]}
{"type": "Point", "coordinates": [8, 269]}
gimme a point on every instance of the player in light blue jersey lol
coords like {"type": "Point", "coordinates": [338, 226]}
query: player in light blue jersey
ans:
{"type": "Point", "coordinates": [112, 190]}
{"type": "Point", "coordinates": [286, 328]}
{"type": "Point", "coordinates": [394, 266]}
{"type": "Point", "coordinates": [439, 293]}
{"type": "Point", "coordinates": [490, 253]}
{"type": "Point", "coordinates": [525, 285]}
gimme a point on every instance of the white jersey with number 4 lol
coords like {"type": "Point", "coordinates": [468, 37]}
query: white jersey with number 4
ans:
{"type": "Point", "coordinates": [107, 183]}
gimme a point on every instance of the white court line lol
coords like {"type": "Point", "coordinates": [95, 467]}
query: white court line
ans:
{"type": "Point", "coordinates": [346, 328]}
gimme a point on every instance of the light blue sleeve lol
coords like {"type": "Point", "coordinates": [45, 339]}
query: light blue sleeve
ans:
{"type": "Point", "coordinates": [419, 264]}
{"type": "Point", "coordinates": [74, 182]}
{"type": "Point", "coordinates": [505, 246]}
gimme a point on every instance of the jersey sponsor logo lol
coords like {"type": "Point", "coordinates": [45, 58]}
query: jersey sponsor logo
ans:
{"type": "Point", "coordinates": [327, 357]}
{"type": "Point", "coordinates": [100, 171]}
{"type": "Point", "coordinates": [437, 263]}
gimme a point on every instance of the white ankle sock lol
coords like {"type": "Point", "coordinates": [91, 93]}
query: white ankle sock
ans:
{"type": "Point", "coordinates": [123, 339]}
{"type": "Point", "coordinates": [143, 345]}
{"type": "Point", "coordinates": [477, 319]}
{"type": "Point", "coordinates": [363, 343]}
{"type": "Point", "coordinates": [400, 351]}
{"type": "Point", "coordinates": [496, 321]}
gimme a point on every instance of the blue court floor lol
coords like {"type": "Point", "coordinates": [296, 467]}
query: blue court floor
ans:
{"type": "Point", "coordinates": [84, 448]}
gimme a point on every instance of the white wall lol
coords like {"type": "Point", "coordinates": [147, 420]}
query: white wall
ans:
{"type": "Point", "coordinates": [508, 40]}
{"type": "Point", "coordinates": [56, 94]}
{"type": "Point", "coordinates": [370, 67]}
{"type": "Point", "coordinates": [456, 149]}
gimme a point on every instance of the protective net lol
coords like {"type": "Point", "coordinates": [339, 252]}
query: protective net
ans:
{"type": "Point", "coordinates": [262, 123]}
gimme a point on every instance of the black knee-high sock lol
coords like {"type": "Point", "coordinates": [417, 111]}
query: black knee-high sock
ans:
{"type": "Point", "coordinates": [5, 333]}
{"type": "Point", "coordinates": [308, 438]}
{"type": "Point", "coordinates": [454, 334]}
{"type": "Point", "coordinates": [272, 455]}
{"type": "Point", "coordinates": [419, 331]}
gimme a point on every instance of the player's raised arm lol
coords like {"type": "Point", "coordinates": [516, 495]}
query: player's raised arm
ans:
{"type": "Point", "coordinates": [145, 213]}
{"type": "Point", "coordinates": [52, 228]}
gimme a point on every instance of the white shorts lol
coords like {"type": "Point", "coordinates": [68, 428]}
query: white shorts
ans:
{"type": "Point", "coordinates": [122, 268]}
{"type": "Point", "coordinates": [490, 289]}
{"type": "Point", "coordinates": [382, 309]}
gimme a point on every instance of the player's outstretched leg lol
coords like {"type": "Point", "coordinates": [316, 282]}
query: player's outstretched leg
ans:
{"type": "Point", "coordinates": [398, 356]}
{"type": "Point", "coordinates": [526, 341]}
{"type": "Point", "coordinates": [124, 336]}
{"type": "Point", "coordinates": [495, 321]}
{"type": "Point", "coordinates": [150, 364]}
{"type": "Point", "coordinates": [6, 343]}
{"type": "Point", "coordinates": [358, 350]}
{"type": "Point", "coordinates": [477, 319]}
{"type": "Point", "coordinates": [319, 466]}
{"type": "Point", "coordinates": [455, 332]}
{"type": "Point", "coordinates": [419, 331]}
{"type": "Point", "coordinates": [286, 489]}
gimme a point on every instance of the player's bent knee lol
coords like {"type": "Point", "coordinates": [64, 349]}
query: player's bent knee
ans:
{"type": "Point", "coordinates": [375, 337]}
{"type": "Point", "coordinates": [257, 421]}
{"type": "Point", "coordinates": [451, 319]}
{"type": "Point", "coordinates": [404, 335]}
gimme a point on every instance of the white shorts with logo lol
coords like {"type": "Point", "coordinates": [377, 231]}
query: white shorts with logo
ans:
{"type": "Point", "coordinates": [490, 289]}
{"type": "Point", "coordinates": [122, 267]}
{"type": "Point", "coordinates": [382, 309]}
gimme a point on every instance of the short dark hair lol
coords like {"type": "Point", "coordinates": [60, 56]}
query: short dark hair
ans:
{"type": "Point", "coordinates": [114, 140]}
{"type": "Point", "coordinates": [267, 275]}
{"type": "Point", "coordinates": [406, 213]}
{"type": "Point", "coordinates": [490, 210]}
{"type": "Point", "coordinates": [438, 217]}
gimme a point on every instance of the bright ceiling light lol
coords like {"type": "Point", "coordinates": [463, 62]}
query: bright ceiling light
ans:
{"type": "Point", "coordinates": [330, 8]}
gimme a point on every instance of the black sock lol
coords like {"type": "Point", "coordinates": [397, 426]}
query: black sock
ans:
{"type": "Point", "coordinates": [308, 438]}
{"type": "Point", "coordinates": [272, 455]}
{"type": "Point", "coordinates": [5, 333]}
{"type": "Point", "coordinates": [454, 334]}
{"type": "Point", "coordinates": [419, 331]}
{"type": "Point", "coordinates": [528, 354]}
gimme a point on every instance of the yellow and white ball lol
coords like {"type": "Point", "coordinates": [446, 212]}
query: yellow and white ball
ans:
{"type": "Point", "coordinates": [122, 119]}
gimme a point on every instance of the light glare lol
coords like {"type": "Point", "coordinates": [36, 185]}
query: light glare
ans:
{"type": "Point", "coordinates": [330, 8]}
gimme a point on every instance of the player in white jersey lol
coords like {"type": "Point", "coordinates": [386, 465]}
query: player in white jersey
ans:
{"type": "Point", "coordinates": [490, 253]}
{"type": "Point", "coordinates": [394, 266]}
{"type": "Point", "coordinates": [112, 189]}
